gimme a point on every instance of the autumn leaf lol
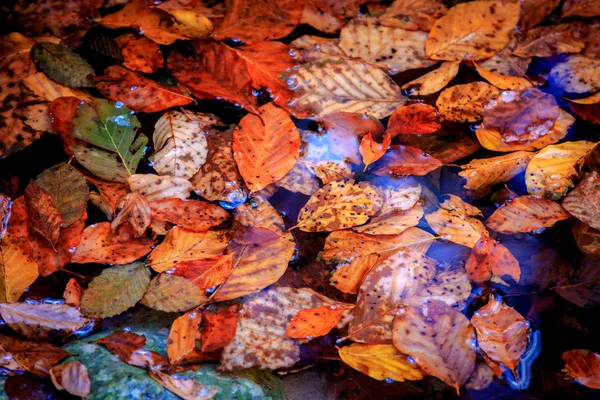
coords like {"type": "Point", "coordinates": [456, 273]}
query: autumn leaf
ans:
{"type": "Point", "coordinates": [128, 347]}
{"type": "Point", "coordinates": [62, 65]}
{"type": "Point", "coordinates": [580, 286]}
{"type": "Point", "coordinates": [154, 187]}
{"type": "Point", "coordinates": [172, 293]}
{"type": "Point", "coordinates": [413, 15]}
{"type": "Point", "coordinates": [30, 355]}
{"type": "Point", "coordinates": [265, 146]}
{"type": "Point", "coordinates": [45, 218]}
{"type": "Point", "coordinates": [218, 328]}
{"type": "Point", "coordinates": [464, 103]}
{"type": "Point", "coordinates": [380, 361]}
{"type": "Point", "coordinates": [377, 96]}
{"type": "Point", "coordinates": [502, 81]}
{"type": "Point", "coordinates": [550, 171]}
{"type": "Point", "coordinates": [501, 333]}
{"type": "Point", "coordinates": [188, 21]}
{"type": "Point", "coordinates": [62, 112]}
{"type": "Point", "coordinates": [140, 53]}
{"type": "Point", "coordinates": [73, 293]}
{"type": "Point", "coordinates": [5, 208]}
{"type": "Point", "coordinates": [137, 92]}
{"type": "Point", "coordinates": [372, 151]}
{"type": "Point", "coordinates": [110, 193]}
{"type": "Point", "coordinates": [193, 215]}
{"type": "Point", "coordinates": [583, 366]}
{"type": "Point", "coordinates": [186, 388]}
{"type": "Point", "coordinates": [414, 119]}
{"type": "Point", "coordinates": [72, 377]}
{"type": "Point", "coordinates": [587, 238]}
{"type": "Point", "coordinates": [339, 205]}
{"type": "Point", "coordinates": [434, 81]}
{"type": "Point", "coordinates": [406, 160]}
{"type": "Point", "coordinates": [42, 321]}
{"type": "Point", "coordinates": [100, 245]}
{"type": "Point", "coordinates": [534, 11]}
{"type": "Point", "coordinates": [473, 30]}
{"type": "Point", "coordinates": [526, 214]}
{"type": "Point", "coordinates": [481, 173]}
{"type": "Point", "coordinates": [259, 213]}
{"type": "Point", "coordinates": [547, 41]}
{"type": "Point", "coordinates": [300, 179]}
{"type": "Point", "coordinates": [490, 259]}
{"type": "Point", "coordinates": [254, 21]}
{"type": "Point", "coordinates": [205, 272]}
{"type": "Point", "coordinates": [181, 342]}
{"type": "Point", "coordinates": [582, 201]}
{"type": "Point", "coordinates": [582, 8]}
{"type": "Point", "coordinates": [395, 49]}
{"type": "Point", "coordinates": [440, 339]}
{"type": "Point", "coordinates": [314, 322]}
{"type": "Point", "coordinates": [135, 211]}
{"type": "Point", "coordinates": [578, 74]}
{"type": "Point", "coordinates": [17, 271]}
{"type": "Point", "coordinates": [310, 48]}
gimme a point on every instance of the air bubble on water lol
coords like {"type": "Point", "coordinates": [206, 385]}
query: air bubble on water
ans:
{"type": "Point", "coordinates": [48, 300]}
{"type": "Point", "coordinates": [211, 290]}
{"type": "Point", "coordinates": [170, 271]}
{"type": "Point", "coordinates": [133, 87]}
{"type": "Point", "coordinates": [72, 249]}
{"type": "Point", "coordinates": [309, 338]}
{"type": "Point", "coordinates": [192, 315]}
{"type": "Point", "coordinates": [121, 121]}
{"type": "Point", "coordinates": [31, 301]}
{"type": "Point", "coordinates": [119, 104]}
{"type": "Point", "coordinates": [127, 329]}
{"type": "Point", "coordinates": [411, 361]}
{"type": "Point", "coordinates": [389, 380]}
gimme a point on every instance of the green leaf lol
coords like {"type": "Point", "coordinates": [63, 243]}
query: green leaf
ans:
{"type": "Point", "coordinates": [62, 65]}
{"type": "Point", "coordinates": [115, 290]}
{"type": "Point", "coordinates": [68, 189]}
{"type": "Point", "coordinates": [112, 128]}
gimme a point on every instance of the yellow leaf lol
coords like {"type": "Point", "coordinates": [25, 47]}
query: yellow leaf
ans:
{"type": "Point", "coordinates": [17, 271]}
{"type": "Point", "coordinates": [464, 103]}
{"type": "Point", "coordinates": [434, 81]}
{"type": "Point", "coordinates": [154, 187]}
{"type": "Point", "coordinates": [503, 81]}
{"type": "Point", "coordinates": [173, 293]}
{"type": "Point", "coordinates": [190, 24]}
{"type": "Point", "coordinates": [181, 343]}
{"type": "Point", "coordinates": [481, 173]}
{"type": "Point", "coordinates": [454, 221]}
{"type": "Point", "coordinates": [380, 361]}
{"type": "Point", "coordinates": [583, 202]}
{"type": "Point", "coordinates": [186, 388]}
{"type": "Point", "coordinates": [593, 99]}
{"type": "Point", "coordinates": [393, 222]}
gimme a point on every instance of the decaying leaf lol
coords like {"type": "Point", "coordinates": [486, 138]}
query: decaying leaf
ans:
{"type": "Point", "coordinates": [372, 151]}
{"type": "Point", "coordinates": [380, 361]}
{"type": "Point", "coordinates": [490, 259]}
{"type": "Point", "coordinates": [30, 356]}
{"type": "Point", "coordinates": [72, 377]}
{"type": "Point", "coordinates": [547, 41]}
{"type": "Point", "coordinates": [193, 215]}
{"type": "Point", "coordinates": [218, 328]}
{"type": "Point", "coordinates": [583, 366]}
{"type": "Point", "coordinates": [414, 119]}
{"type": "Point", "coordinates": [187, 389]}
{"type": "Point", "coordinates": [44, 216]}
{"type": "Point", "coordinates": [154, 187]}
{"type": "Point", "coordinates": [62, 65]}
{"type": "Point", "coordinates": [582, 202]}
{"type": "Point", "coordinates": [580, 286]}
{"type": "Point", "coordinates": [135, 211]}
{"type": "Point", "coordinates": [413, 14]}
{"type": "Point", "coordinates": [465, 102]}
{"type": "Point", "coordinates": [578, 74]}
{"type": "Point", "coordinates": [434, 81]}
{"type": "Point", "coordinates": [128, 347]}
{"type": "Point", "coordinates": [309, 48]}
{"type": "Point", "coordinates": [534, 11]}
{"type": "Point", "coordinates": [17, 271]}
{"type": "Point", "coordinates": [140, 53]}
{"type": "Point", "coordinates": [582, 8]}
{"type": "Point", "coordinates": [73, 293]}
{"type": "Point", "coordinates": [526, 214]}
{"type": "Point", "coordinates": [501, 333]}
{"type": "Point", "coordinates": [314, 322]}
{"type": "Point", "coordinates": [481, 173]}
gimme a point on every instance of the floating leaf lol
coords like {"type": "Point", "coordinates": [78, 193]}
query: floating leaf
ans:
{"type": "Point", "coordinates": [343, 130]}
{"type": "Point", "coordinates": [17, 271]}
{"type": "Point", "coordinates": [413, 14]}
{"type": "Point", "coordinates": [578, 74]}
{"type": "Point", "coordinates": [580, 286]}
{"type": "Point", "coordinates": [501, 333]}
{"type": "Point", "coordinates": [464, 103]}
{"type": "Point", "coordinates": [454, 221]}
{"type": "Point", "coordinates": [473, 30]}
{"type": "Point", "coordinates": [414, 119]}
{"type": "Point", "coordinates": [434, 81]}
{"type": "Point", "coordinates": [481, 173]}
{"type": "Point", "coordinates": [128, 347]}
{"type": "Point", "coordinates": [193, 215]}
{"type": "Point", "coordinates": [154, 187]}
{"type": "Point", "coordinates": [62, 65]}
{"type": "Point", "coordinates": [547, 41]}
{"type": "Point", "coordinates": [581, 202]}
{"type": "Point", "coordinates": [583, 366]}
{"type": "Point", "coordinates": [115, 290]}
{"type": "Point", "coordinates": [314, 322]}
{"type": "Point", "coordinates": [490, 259]}
{"type": "Point", "coordinates": [406, 160]}
{"type": "Point", "coordinates": [526, 214]}
{"type": "Point", "coordinates": [367, 90]}
{"type": "Point", "coordinates": [380, 361]}
{"type": "Point", "coordinates": [137, 92]}
{"type": "Point", "coordinates": [140, 53]}
{"type": "Point", "coordinates": [72, 377]}
{"type": "Point", "coordinates": [550, 171]}
{"type": "Point", "coordinates": [186, 388]}
{"type": "Point", "coordinates": [218, 328]}
{"type": "Point", "coordinates": [44, 216]}
{"type": "Point", "coordinates": [181, 343]}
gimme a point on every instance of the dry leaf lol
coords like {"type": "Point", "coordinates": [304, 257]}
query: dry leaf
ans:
{"type": "Point", "coordinates": [526, 214]}
{"type": "Point", "coordinates": [547, 41]}
{"type": "Point", "coordinates": [481, 173]}
{"type": "Point", "coordinates": [140, 53]}
{"type": "Point", "coordinates": [434, 81]}
{"type": "Point", "coordinates": [380, 361]}
{"type": "Point", "coordinates": [490, 259]}
{"type": "Point", "coordinates": [181, 343]}
{"type": "Point", "coordinates": [193, 215]}
{"type": "Point", "coordinates": [464, 103]}
{"type": "Point", "coordinates": [583, 366]}
{"type": "Point", "coordinates": [72, 377]}
{"type": "Point", "coordinates": [413, 14]}
{"type": "Point", "coordinates": [582, 202]}
{"type": "Point", "coordinates": [414, 119]}
{"type": "Point", "coordinates": [578, 74]}
{"type": "Point", "coordinates": [218, 328]}
{"type": "Point", "coordinates": [186, 388]}
{"type": "Point", "coordinates": [314, 322]}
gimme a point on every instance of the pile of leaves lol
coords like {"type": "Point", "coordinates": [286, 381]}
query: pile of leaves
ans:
{"type": "Point", "coordinates": [357, 190]}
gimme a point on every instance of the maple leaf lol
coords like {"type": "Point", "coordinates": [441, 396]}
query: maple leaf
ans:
{"type": "Point", "coordinates": [72, 377]}
{"type": "Point", "coordinates": [380, 361]}
{"type": "Point", "coordinates": [414, 119]}
{"type": "Point", "coordinates": [140, 53]}
{"type": "Point", "coordinates": [526, 214]}
{"type": "Point", "coordinates": [434, 81]}
{"type": "Point", "coordinates": [583, 366]}
{"type": "Point", "coordinates": [490, 258]}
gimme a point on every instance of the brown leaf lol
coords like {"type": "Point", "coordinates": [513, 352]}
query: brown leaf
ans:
{"type": "Point", "coordinates": [140, 53]}
{"type": "Point", "coordinates": [413, 15]}
{"type": "Point", "coordinates": [73, 292]}
{"type": "Point", "coordinates": [526, 214]}
{"type": "Point", "coordinates": [45, 218]}
{"type": "Point", "coordinates": [583, 366]}
{"type": "Point", "coordinates": [218, 328]}
{"type": "Point", "coordinates": [440, 339]}
{"type": "Point", "coordinates": [587, 238]}
{"type": "Point", "coordinates": [582, 202]}
{"type": "Point", "coordinates": [136, 211]}
{"type": "Point", "coordinates": [181, 342]}
{"type": "Point", "coordinates": [587, 112]}
{"type": "Point", "coordinates": [309, 48]}
{"type": "Point", "coordinates": [580, 286]}
{"type": "Point", "coordinates": [193, 215]}
{"type": "Point", "coordinates": [172, 293]}
{"type": "Point", "coordinates": [137, 92]}
{"type": "Point", "coordinates": [547, 41]}
{"type": "Point", "coordinates": [314, 322]}
{"type": "Point", "coordinates": [534, 11]}
{"type": "Point", "coordinates": [187, 389]}
{"type": "Point", "coordinates": [372, 151]}
{"type": "Point", "coordinates": [111, 192]}
{"type": "Point", "coordinates": [406, 160]}
{"type": "Point", "coordinates": [100, 245]}
{"type": "Point", "coordinates": [31, 356]}
{"type": "Point", "coordinates": [434, 81]}
{"type": "Point", "coordinates": [490, 259]}
{"type": "Point", "coordinates": [128, 347]}
{"type": "Point", "coordinates": [501, 333]}
{"type": "Point", "coordinates": [72, 377]}
{"type": "Point", "coordinates": [393, 222]}
{"type": "Point", "coordinates": [414, 119]}
{"type": "Point", "coordinates": [581, 8]}
{"type": "Point", "coordinates": [464, 103]}
{"type": "Point", "coordinates": [5, 206]}
{"type": "Point", "coordinates": [578, 74]}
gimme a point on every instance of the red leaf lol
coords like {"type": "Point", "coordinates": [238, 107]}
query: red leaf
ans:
{"type": "Point", "coordinates": [372, 151]}
{"type": "Point", "coordinates": [414, 119]}
{"type": "Point", "coordinates": [489, 258]}
{"type": "Point", "coordinates": [218, 329]}
{"type": "Point", "coordinates": [140, 53]}
{"type": "Point", "coordinates": [128, 347]}
{"type": "Point", "coordinates": [62, 113]}
{"type": "Point", "coordinates": [44, 216]}
{"type": "Point", "coordinates": [406, 160]}
{"type": "Point", "coordinates": [314, 322]}
{"type": "Point", "coordinates": [205, 272]}
{"type": "Point", "coordinates": [193, 215]}
{"type": "Point", "coordinates": [583, 366]}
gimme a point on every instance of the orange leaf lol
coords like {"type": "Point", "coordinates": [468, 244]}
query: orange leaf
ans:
{"type": "Point", "coordinates": [181, 343]}
{"type": "Point", "coordinates": [45, 218]}
{"type": "Point", "coordinates": [193, 215]}
{"type": "Point", "coordinates": [414, 119]}
{"type": "Point", "coordinates": [314, 322]}
{"type": "Point", "coordinates": [205, 272]}
{"type": "Point", "coordinates": [140, 53]}
{"type": "Point", "coordinates": [218, 328]}
{"type": "Point", "coordinates": [583, 366]}
{"type": "Point", "coordinates": [100, 245]}
{"type": "Point", "coordinates": [62, 112]}
{"type": "Point", "coordinates": [72, 377]}
{"type": "Point", "coordinates": [73, 292]}
{"type": "Point", "coordinates": [489, 258]}
{"type": "Point", "coordinates": [526, 214]}
{"type": "Point", "coordinates": [406, 160]}
{"type": "Point", "coordinates": [265, 148]}
{"type": "Point", "coordinates": [111, 192]}
{"type": "Point", "coordinates": [503, 81]}
{"type": "Point", "coordinates": [137, 92]}
{"type": "Point", "coordinates": [128, 347]}
{"type": "Point", "coordinates": [372, 151]}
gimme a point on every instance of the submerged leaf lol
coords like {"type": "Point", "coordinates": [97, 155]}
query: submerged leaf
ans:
{"type": "Point", "coordinates": [406, 160]}
{"type": "Point", "coordinates": [62, 65]}
{"type": "Point", "coordinates": [526, 214]}
{"type": "Point", "coordinates": [583, 366]}
{"type": "Point", "coordinates": [72, 377]}
{"type": "Point", "coordinates": [578, 74]}
{"type": "Point", "coordinates": [582, 202]}
{"type": "Point", "coordinates": [490, 259]}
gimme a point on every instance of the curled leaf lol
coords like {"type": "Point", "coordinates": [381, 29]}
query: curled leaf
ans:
{"type": "Point", "coordinates": [72, 377]}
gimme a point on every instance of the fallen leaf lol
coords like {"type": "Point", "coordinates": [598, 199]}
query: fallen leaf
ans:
{"type": "Point", "coordinates": [300, 179]}
{"type": "Point", "coordinates": [73, 293]}
{"type": "Point", "coordinates": [110, 192]}
{"type": "Point", "coordinates": [587, 238]}
{"type": "Point", "coordinates": [62, 112]}
{"type": "Point", "coordinates": [181, 342]}
{"type": "Point", "coordinates": [413, 15]}
{"type": "Point", "coordinates": [100, 245]}
{"type": "Point", "coordinates": [62, 65]}
{"type": "Point", "coordinates": [406, 160]}
{"type": "Point", "coordinates": [72, 377]}
{"type": "Point", "coordinates": [502, 81]}
{"type": "Point", "coordinates": [128, 347]}
{"type": "Point", "coordinates": [550, 172]}
{"type": "Point", "coordinates": [583, 366]}
{"type": "Point", "coordinates": [506, 65]}
{"type": "Point", "coordinates": [580, 286]}
{"type": "Point", "coordinates": [318, 94]}
{"type": "Point", "coordinates": [547, 41]}
{"type": "Point", "coordinates": [392, 222]}
{"type": "Point", "coordinates": [205, 272]}
{"type": "Point", "coordinates": [526, 214]}
{"type": "Point", "coordinates": [434, 81]}
{"type": "Point", "coordinates": [193, 215]}
{"type": "Point", "coordinates": [5, 208]}
{"type": "Point", "coordinates": [183, 245]}
{"type": "Point", "coordinates": [218, 328]}
{"type": "Point", "coordinates": [372, 151]}
{"type": "Point", "coordinates": [187, 21]}
{"type": "Point", "coordinates": [309, 48]}
{"type": "Point", "coordinates": [154, 187]}
{"type": "Point", "coordinates": [186, 388]}
{"type": "Point", "coordinates": [172, 293]}
{"type": "Point", "coordinates": [473, 30]}
{"type": "Point", "coordinates": [254, 21]}
{"type": "Point", "coordinates": [587, 112]}
{"type": "Point", "coordinates": [259, 214]}
{"type": "Point", "coordinates": [581, 202]}
{"type": "Point", "coordinates": [265, 146]}
{"type": "Point", "coordinates": [440, 339]}
{"type": "Point", "coordinates": [135, 211]}
{"type": "Point", "coordinates": [29, 355]}
{"type": "Point", "coordinates": [42, 321]}
{"type": "Point", "coordinates": [481, 173]}
{"type": "Point", "coordinates": [380, 361]}
{"type": "Point", "coordinates": [317, 14]}
{"type": "Point", "coordinates": [535, 11]}
{"type": "Point", "coordinates": [45, 218]}
{"type": "Point", "coordinates": [592, 46]}
{"type": "Point", "coordinates": [17, 271]}
{"type": "Point", "coordinates": [446, 146]}
{"type": "Point", "coordinates": [464, 103]}
{"type": "Point", "coordinates": [490, 259]}
{"type": "Point", "coordinates": [395, 49]}
{"type": "Point", "coordinates": [339, 205]}
{"type": "Point", "coordinates": [581, 8]}
{"type": "Point", "coordinates": [502, 333]}
{"type": "Point", "coordinates": [578, 74]}
{"type": "Point", "coordinates": [137, 92]}
{"type": "Point", "coordinates": [140, 53]}
{"type": "Point", "coordinates": [482, 377]}
{"type": "Point", "coordinates": [314, 322]}
{"type": "Point", "coordinates": [414, 119]}
{"type": "Point", "coordinates": [454, 221]}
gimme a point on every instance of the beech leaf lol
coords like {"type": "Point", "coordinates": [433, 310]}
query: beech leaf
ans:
{"type": "Point", "coordinates": [62, 65]}
{"type": "Point", "coordinates": [154, 187]}
{"type": "Point", "coordinates": [406, 160]}
{"type": "Point", "coordinates": [582, 202]}
{"type": "Point", "coordinates": [583, 366]}
{"type": "Point", "coordinates": [193, 215]}
{"type": "Point", "coordinates": [434, 81]}
{"type": "Point", "coordinates": [181, 342]}
{"type": "Point", "coordinates": [414, 119]}
{"type": "Point", "coordinates": [314, 322]}
{"type": "Point", "coordinates": [186, 388]}
{"type": "Point", "coordinates": [547, 41]}
{"type": "Point", "coordinates": [413, 14]}
{"type": "Point", "coordinates": [464, 103]}
{"type": "Point", "coordinates": [380, 361]}
{"type": "Point", "coordinates": [44, 216]}
{"type": "Point", "coordinates": [30, 356]}
{"type": "Point", "coordinates": [490, 259]}
{"type": "Point", "coordinates": [526, 214]}
{"type": "Point", "coordinates": [578, 74]}
{"type": "Point", "coordinates": [218, 328]}
{"type": "Point", "coordinates": [140, 53]}
{"type": "Point", "coordinates": [580, 286]}
{"type": "Point", "coordinates": [17, 271]}
{"type": "Point", "coordinates": [481, 173]}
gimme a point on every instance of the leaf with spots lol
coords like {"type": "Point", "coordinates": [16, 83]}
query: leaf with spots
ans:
{"type": "Point", "coordinates": [578, 74]}
{"type": "Point", "coordinates": [134, 211]}
{"type": "Point", "coordinates": [372, 151]}
{"type": "Point", "coordinates": [582, 8]}
{"type": "Point", "coordinates": [464, 103]}
{"type": "Point", "coordinates": [309, 48]}
{"type": "Point", "coordinates": [265, 146]}
{"type": "Point", "coordinates": [128, 347]}
{"type": "Point", "coordinates": [489, 259]}
{"type": "Point", "coordinates": [547, 41]}
{"type": "Point", "coordinates": [218, 328]}
{"type": "Point", "coordinates": [414, 119]}
{"type": "Point", "coordinates": [314, 322]}
{"type": "Point", "coordinates": [501, 333]}
{"type": "Point", "coordinates": [154, 187]}
{"type": "Point", "coordinates": [413, 15]}
{"type": "Point", "coordinates": [583, 366]}
{"type": "Point", "coordinates": [193, 215]}
{"type": "Point", "coordinates": [440, 339]}
{"type": "Point", "coordinates": [380, 361]}
{"type": "Point", "coordinates": [550, 172]}
{"type": "Point", "coordinates": [406, 160]}
{"type": "Point", "coordinates": [62, 65]}
{"type": "Point", "coordinates": [339, 205]}
{"type": "Point", "coordinates": [526, 214]}
{"type": "Point", "coordinates": [582, 202]}
{"type": "Point", "coordinates": [173, 293]}
{"type": "Point", "coordinates": [17, 271]}
{"type": "Point", "coordinates": [140, 53]}
{"type": "Point", "coordinates": [434, 81]}
{"type": "Point", "coordinates": [29, 356]}
{"type": "Point", "coordinates": [181, 342]}
{"type": "Point", "coordinates": [482, 173]}
{"type": "Point", "coordinates": [45, 218]}
{"type": "Point", "coordinates": [73, 292]}
{"type": "Point", "coordinates": [137, 92]}
{"type": "Point", "coordinates": [115, 290]}
{"type": "Point", "coordinates": [474, 30]}
{"type": "Point", "coordinates": [502, 81]}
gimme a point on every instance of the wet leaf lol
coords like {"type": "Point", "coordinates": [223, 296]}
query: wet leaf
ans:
{"type": "Point", "coordinates": [501, 333]}
{"type": "Point", "coordinates": [580, 286]}
{"type": "Point", "coordinates": [473, 30]}
{"type": "Point", "coordinates": [583, 366]}
{"type": "Point", "coordinates": [45, 218]}
{"type": "Point", "coordinates": [372, 151]}
{"type": "Point", "coordinates": [413, 14]}
{"type": "Point", "coordinates": [481, 173]}
{"type": "Point", "coordinates": [526, 214]}
{"type": "Point", "coordinates": [137, 92]}
{"type": "Point", "coordinates": [490, 259]}
{"type": "Point", "coordinates": [186, 388]}
{"type": "Point", "coordinates": [205, 272]}
{"type": "Point", "coordinates": [502, 81]}
{"type": "Point", "coordinates": [395, 49]}
{"type": "Point", "coordinates": [440, 339]}
{"type": "Point", "coordinates": [534, 11]}
{"type": "Point", "coordinates": [193, 215]}
{"type": "Point", "coordinates": [406, 160]}
{"type": "Point", "coordinates": [481, 378]}
{"type": "Point", "coordinates": [154, 187]}
{"type": "Point", "coordinates": [464, 103]}
{"type": "Point", "coordinates": [172, 293]}
{"type": "Point", "coordinates": [129, 348]}
{"type": "Point", "coordinates": [414, 119]}
{"type": "Point", "coordinates": [582, 201]}
{"type": "Point", "coordinates": [582, 8]}
{"type": "Point", "coordinates": [100, 245]}
{"type": "Point", "coordinates": [30, 355]}
{"type": "Point", "coordinates": [547, 41]}
{"type": "Point", "coordinates": [72, 377]}
{"type": "Point", "coordinates": [17, 271]}
{"type": "Point", "coordinates": [578, 74]}
{"type": "Point", "coordinates": [140, 53]}
{"type": "Point", "coordinates": [62, 65]}
{"type": "Point", "coordinates": [135, 211]}
{"type": "Point", "coordinates": [380, 361]}
{"type": "Point", "coordinates": [5, 209]}
{"type": "Point", "coordinates": [393, 222]}
{"type": "Point", "coordinates": [309, 48]}
{"type": "Point", "coordinates": [434, 81]}
{"type": "Point", "coordinates": [218, 328]}
{"type": "Point", "coordinates": [181, 343]}
{"type": "Point", "coordinates": [73, 292]}
{"type": "Point", "coordinates": [105, 45]}
{"type": "Point", "coordinates": [368, 90]}
{"type": "Point", "coordinates": [115, 290]}
{"type": "Point", "coordinates": [42, 321]}
{"type": "Point", "coordinates": [188, 21]}
{"type": "Point", "coordinates": [314, 322]}
{"type": "Point", "coordinates": [550, 172]}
